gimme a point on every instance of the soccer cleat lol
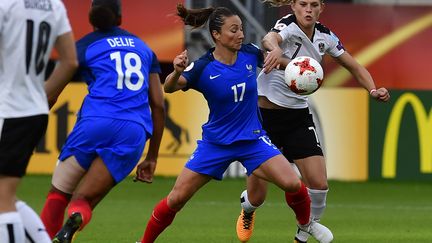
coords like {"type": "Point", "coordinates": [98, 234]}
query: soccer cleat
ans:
{"type": "Point", "coordinates": [321, 233]}
{"type": "Point", "coordinates": [245, 225]}
{"type": "Point", "coordinates": [296, 240]}
{"type": "Point", "coordinates": [301, 236]}
{"type": "Point", "coordinates": [66, 233]}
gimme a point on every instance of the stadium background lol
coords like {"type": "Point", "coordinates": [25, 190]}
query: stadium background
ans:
{"type": "Point", "coordinates": [363, 139]}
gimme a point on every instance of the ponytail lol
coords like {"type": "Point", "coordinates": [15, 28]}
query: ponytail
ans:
{"type": "Point", "coordinates": [198, 17]}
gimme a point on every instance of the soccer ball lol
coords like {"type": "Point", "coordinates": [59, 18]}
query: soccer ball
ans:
{"type": "Point", "coordinates": [304, 75]}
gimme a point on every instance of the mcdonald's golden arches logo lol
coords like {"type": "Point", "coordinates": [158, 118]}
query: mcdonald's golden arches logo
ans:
{"type": "Point", "coordinates": [423, 119]}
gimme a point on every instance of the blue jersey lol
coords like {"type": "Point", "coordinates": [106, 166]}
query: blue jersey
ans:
{"type": "Point", "coordinates": [116, 65]}
{"type": "Point", "coordinates": [231, 94]}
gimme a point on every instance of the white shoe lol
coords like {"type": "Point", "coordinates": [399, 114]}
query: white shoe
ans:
{"type": "Point", "coordinates": [318, 231]}
{"type": "Point", "coordinates": [301, 236]}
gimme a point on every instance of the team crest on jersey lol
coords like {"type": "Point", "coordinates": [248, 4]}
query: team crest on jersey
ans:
{"type": "Point", "coordinates": [321, 47]}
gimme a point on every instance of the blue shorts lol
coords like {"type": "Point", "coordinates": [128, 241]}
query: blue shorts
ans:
{"type": "Point", "coordinates": [119, 143]}
{"type": "Point", "coordinates": [213, 159]}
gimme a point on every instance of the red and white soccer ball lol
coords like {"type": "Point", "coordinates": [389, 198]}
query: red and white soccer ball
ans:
{"type": "Point", "coordinates": [304, 75]}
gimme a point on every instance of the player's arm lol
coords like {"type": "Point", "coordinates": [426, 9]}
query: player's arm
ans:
{"type": "Point", "coordinates": [158, 115]}
{"type": "Point", "coordinates": [362, 75]}
{"type": "Point", "coordinates": [175, 81]}
{"type": "Point", "coordinates": [64, 70]}
{"type": "Point", "coordinates": [270, 43]}
{"type": "Point", "coordinates": [145, 170]}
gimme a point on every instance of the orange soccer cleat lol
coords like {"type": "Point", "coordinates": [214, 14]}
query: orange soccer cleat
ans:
{"type": "Point", "coordinates": [245, 225]}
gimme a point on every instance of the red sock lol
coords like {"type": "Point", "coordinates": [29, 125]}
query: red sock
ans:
{"type": "Point", "coordinates": [162, 216]}
{"type": "Point", "coordinates": [83, 207]}
{"type": "Point", "coordinates": [53, 211]}
{"type": "Point", "coordinates": [300, 203]}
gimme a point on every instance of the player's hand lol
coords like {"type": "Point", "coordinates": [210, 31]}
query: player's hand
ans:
{"type": "Point", "coordinates": [272, 60]}
{"type": "Point", "coordinates": [380, 94]}
{"type": "Point", "coordinates": [181, 62]}
{"type": "Point", "coordinates": [145, 171]}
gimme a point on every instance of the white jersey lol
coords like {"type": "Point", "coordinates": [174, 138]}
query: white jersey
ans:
{"type": "Point", "coordinates": [28, 30]}
{"type": "Point", "coordinates": [296, 43]}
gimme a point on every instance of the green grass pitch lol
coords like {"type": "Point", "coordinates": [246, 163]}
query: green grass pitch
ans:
{"type": "Point", "coordinates": [357, 212]}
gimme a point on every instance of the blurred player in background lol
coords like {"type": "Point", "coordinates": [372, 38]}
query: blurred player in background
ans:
{"type": "Point", "coordinates": [286, 115]}
{"type": "Point", "coordinates": [28, 32]}
{"type": "Point", "coordinates": [123, 109]}
{"type": "Point", "coordinates": [226, 76]}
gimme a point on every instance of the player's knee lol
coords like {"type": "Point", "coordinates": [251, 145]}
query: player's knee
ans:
{"type": "Point", "coordinates": [176, 200]}
{"type": "Point", "coordinates": [291, 185]}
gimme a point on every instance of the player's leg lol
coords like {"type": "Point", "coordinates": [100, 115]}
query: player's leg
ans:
{"type": "Point", "coordinates": [68, 173]}
{"type": "Point", "coordinates": [307, 154]}
{"type": "Point", "coordinates": [278, 171]}
{"type": "Point", "coordinates": [301, 145]}
{"type": "Point", "coordinates": [33, 226]}
{"type": "Point", "coordinates": [65, 179]}
{"type": "Point", "coordinates": [187, 183]}
{"type": "Point", "coordinates": [18, 138]}
{"type": "Point", "coordinates": [11, 225]}
{"type": "Point", "coordinates": [95, 184]}
{"type": "Point", "coordinates": [314, 174]}
{"type": "Point", "coordinates": [250, 200]}
{"type": "Point", "coordinates": [256, 192]}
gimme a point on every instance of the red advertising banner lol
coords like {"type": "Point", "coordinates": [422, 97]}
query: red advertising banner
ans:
{"type": "Point", "coordinates": [393, 42]}
{"type": "Point", "coordinates": [153, 21]}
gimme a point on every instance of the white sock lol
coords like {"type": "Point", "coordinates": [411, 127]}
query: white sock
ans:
{"type": "Point", "coordinates": [246, 204]}
{"type": "Point", "coordinates": [34, 228]}
{"type": "Point", "coordinates": [11, 227]}
{"type": "Point", "coordinates": [318, 203]}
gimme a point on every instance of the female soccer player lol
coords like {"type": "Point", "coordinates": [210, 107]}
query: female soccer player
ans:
{"type": "Point", "coordinates": [226, 76]}
{"type": "Point", "coordinates": [123, 109]}
{"type": "Point", "coordinates": [28, 33]}
{"type": "Point", "coordinates": [286, 115]}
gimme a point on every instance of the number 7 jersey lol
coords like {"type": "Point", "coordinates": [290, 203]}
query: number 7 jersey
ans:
{"type": "Point", "coordinates": [28, 30]}
{"type": "Point", "coordinates": [116, 65]}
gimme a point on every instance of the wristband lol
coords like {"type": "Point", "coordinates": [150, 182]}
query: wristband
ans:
{"type": "Point", "coordinates": [372, 90]}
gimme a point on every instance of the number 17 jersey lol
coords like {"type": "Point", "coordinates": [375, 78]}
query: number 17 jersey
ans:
{"type": "Point", "coordinates": [116, 65]}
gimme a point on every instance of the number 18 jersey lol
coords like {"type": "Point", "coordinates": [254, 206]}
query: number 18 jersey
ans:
{"type": "Point", "coordinates": [116, 65]}
{"type": "Point", "coordinates": [28, 30]}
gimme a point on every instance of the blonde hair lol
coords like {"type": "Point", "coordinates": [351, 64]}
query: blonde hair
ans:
{"type": "Point", "coordinates": [279, 3]}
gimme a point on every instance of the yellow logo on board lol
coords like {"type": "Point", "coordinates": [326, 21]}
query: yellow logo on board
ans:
{"type": "Point", "coordinates": [424, 128]}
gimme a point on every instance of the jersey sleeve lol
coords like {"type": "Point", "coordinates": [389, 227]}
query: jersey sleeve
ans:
{"type": "Point", "coordinates": [155, 66]}
{"type": "Point", "coordinates": [335, 46]}
{"type": "Point", "coordinates": [255, 50]}
{"type": "Point", "coordinates": [191, 74]}
{"type": "Point", "coordinates": [81, 47]}
{"type": "Point", "coordinates": [63, 20]}
{"type": "Point", "coordinates": [283, 22]}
